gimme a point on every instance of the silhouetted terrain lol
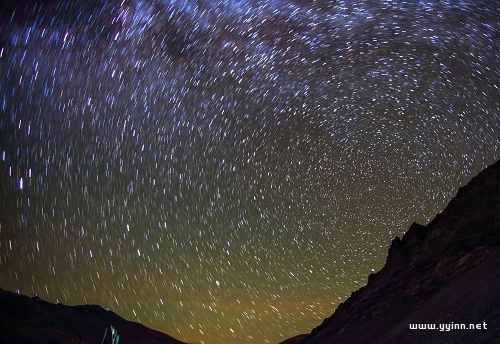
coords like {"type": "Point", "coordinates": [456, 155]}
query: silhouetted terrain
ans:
{"type": "Point", "coordinates": [447, 272]}
{"type": "Point", "coordinates": [25, 320]}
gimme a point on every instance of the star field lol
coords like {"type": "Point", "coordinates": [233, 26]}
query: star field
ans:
{"type": "Point", "coordinates": [229, 172]}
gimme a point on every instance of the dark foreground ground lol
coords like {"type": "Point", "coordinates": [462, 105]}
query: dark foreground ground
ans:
{"type": "Point", "coordinates": [25, 320]}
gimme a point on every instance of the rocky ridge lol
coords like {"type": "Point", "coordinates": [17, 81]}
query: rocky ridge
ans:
{"type": "Point", "coordinates": [447, 272]}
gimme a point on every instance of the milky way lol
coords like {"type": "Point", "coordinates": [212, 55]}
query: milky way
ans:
{"type": "Point", "coordinates": [228, 172]}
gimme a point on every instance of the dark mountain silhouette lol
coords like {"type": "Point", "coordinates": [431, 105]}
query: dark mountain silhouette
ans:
{"type": "Point", "coordinates": [445, 273]}
{"type": "Point", "coordinates": [25, 320]}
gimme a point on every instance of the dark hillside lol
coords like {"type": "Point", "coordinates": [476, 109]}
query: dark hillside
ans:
{"type": "Point", "coordinates": [447, 272]}
{"type": "Point", "coordinates": [25, 320]}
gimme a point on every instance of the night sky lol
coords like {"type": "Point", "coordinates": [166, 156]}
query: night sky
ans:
{"type": "Point", "coordinates": [229, 171]}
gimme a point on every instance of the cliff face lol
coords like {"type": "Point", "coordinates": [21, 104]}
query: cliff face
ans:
{"type": "Point", "coordinates": [443, 273]}
{"type": "Point", "coordinates": [25, 320]}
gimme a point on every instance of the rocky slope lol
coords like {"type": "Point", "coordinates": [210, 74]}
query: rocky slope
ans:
{"type": "Point", "coordinates": [447, 272]}
{"type": "Point", "coordinates": [25, 320]}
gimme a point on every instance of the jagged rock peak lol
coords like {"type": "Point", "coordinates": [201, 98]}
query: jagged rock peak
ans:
{"type": "Point", "coordinates": [425, 271]}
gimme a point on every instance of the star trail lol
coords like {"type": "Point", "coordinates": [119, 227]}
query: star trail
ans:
{"type": "Point", "coordinates": [230, 171]}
